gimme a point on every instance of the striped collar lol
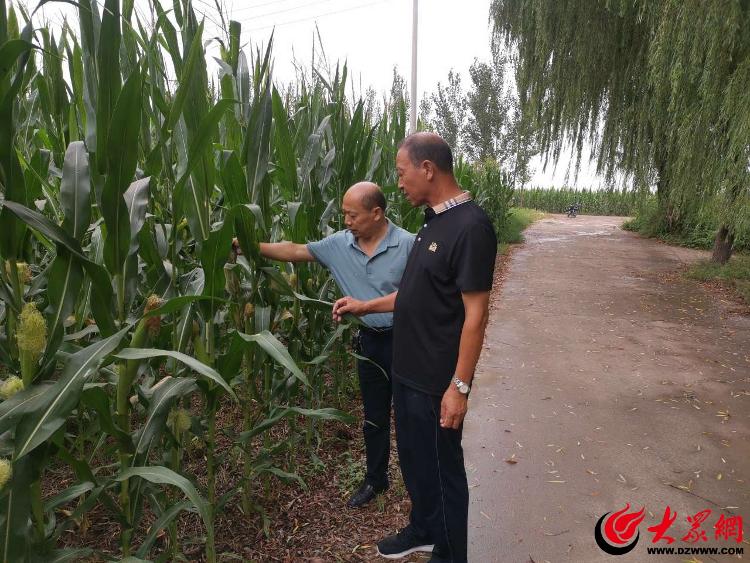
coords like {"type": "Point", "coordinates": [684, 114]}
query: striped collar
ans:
{"type": "Point", "coordinates": [452, 202]}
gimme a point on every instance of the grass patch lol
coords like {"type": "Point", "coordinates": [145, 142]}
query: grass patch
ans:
{"type": "Point", "coordinates": [696, 230]}
{"type": "Point", "coordinates": [735, 273]}
{"type": "Point", "coordinates": [350, 474]}
{"type": "Point", "coordinates": [512, 229]}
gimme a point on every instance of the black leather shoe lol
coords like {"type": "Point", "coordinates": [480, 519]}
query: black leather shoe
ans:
{"type": "Point", "coordinates": [363, 495]}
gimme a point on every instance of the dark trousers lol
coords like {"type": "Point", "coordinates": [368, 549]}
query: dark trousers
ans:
{"type": "Point", "coordinates": [375, 384]}
{"type": "Point", "coordinates": [432, 464]}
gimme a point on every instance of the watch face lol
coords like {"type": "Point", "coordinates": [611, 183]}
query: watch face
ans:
{"type": "Point", "coordinates": [464, 388]}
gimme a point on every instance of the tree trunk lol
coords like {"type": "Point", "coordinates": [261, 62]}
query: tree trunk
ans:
{"type": "Point", "coordinates": [662, 194]}
{"type": "Point", "coordinates": [723, 245]}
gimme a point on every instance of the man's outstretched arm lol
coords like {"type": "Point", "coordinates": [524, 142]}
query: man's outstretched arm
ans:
{"type": "Point", "coordinates": [358, 308]}
{"type": "Point", "coordinates": [286, 251]}
{"type": "Point", "coordinates": [283, 251]}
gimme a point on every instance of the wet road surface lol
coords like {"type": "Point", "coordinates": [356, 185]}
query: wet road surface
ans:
{"type": "Point", "coordinates": [606, 379]}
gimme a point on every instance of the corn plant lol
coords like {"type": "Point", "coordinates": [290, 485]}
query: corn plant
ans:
{"type": "Point", "coordinates": [125, 172]}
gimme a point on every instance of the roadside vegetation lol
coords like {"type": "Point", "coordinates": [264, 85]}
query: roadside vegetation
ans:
{"type": "Point", "coordinates": [519, 218]}
{"type": "Point", "coordinates": [654, 92]}
{"type": "Point", "coordinates": [735, 274]}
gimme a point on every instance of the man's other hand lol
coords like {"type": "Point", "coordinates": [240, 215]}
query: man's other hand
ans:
{"type": "Point", "coordinates": [348, 305]}
{"type": "Point", "coordinates": [453, 408]}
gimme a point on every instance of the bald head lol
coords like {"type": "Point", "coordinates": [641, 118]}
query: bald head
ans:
{"type": "Point", "coordinates": [363, 206]}
{"type": "Point", "coordinates": [428, 146]}
{"type": "Point", "coordinates": [368, 194]}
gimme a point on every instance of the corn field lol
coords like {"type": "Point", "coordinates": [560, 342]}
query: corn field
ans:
{"type": "Point", "coordinates": [126, 171]}
{"type": "Point", "coordinates": [623, 203]}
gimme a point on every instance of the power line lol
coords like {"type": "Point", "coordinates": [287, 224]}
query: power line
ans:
{"type": "Point", "coordinates": [290, 9]}
{"type": "Point", "coordinates": [325, 14]}
{"type": "Point", "coordinates": [260, 5]}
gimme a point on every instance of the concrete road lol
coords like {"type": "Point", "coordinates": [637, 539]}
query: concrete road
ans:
{"type": "Point", "coordinates": [607, 379]}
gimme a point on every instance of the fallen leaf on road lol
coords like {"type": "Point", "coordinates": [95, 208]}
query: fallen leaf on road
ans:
{"type": "Point", "coordinates": [556, 533]}
{"type": "Point", "coordinates": [688, 487]}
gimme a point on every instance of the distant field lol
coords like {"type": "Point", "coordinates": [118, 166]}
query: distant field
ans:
{"type": "Point", "coordinates": [592, 202]}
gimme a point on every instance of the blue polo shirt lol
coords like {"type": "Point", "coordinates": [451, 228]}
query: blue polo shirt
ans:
{"type": "Point", "coordinates": [366, 277]}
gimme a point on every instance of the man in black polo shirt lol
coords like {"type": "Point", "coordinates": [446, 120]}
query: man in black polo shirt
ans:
{"type": "Point", "coordinates": [440, 315]}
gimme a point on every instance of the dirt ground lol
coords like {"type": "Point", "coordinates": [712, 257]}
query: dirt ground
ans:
{"type": "Point", "coordinates": [607, 378]}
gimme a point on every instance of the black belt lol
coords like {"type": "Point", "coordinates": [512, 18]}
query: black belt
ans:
{"type": "Point", "coordinates": [376, 331]}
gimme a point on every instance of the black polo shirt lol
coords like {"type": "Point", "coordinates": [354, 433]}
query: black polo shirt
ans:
{"type": "Point", "coordinates": [453, 253]}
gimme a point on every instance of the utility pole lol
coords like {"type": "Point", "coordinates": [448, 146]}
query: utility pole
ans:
{"type": "Point", "coordinates": [413, 117]}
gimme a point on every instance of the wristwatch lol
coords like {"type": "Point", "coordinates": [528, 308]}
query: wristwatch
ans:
{"type": "Point", "coordinates": [463, 388]}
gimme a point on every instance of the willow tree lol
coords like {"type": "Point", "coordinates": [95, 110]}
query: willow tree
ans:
{"type": "Point", "coordinates": [658, 88]}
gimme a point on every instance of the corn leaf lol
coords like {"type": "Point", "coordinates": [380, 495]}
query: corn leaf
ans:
{"type": "Point", "coordinates": [10, 52]}
{"type": "Point", "coordinates": [67, 495]}
{"type": "Point", "coordinates": [271, 346]}
{"type": "Point", "coordinates": [187, 78]}
{"type": "Point", "coordinates": [286, 412]}
{"type": "Point", "coordinates": [16, 505]}
{"type": "Point", "coordinates": [189, 361]}
{"type": "Point", "coordinates": [245, 224]}
{"type": "Point", "coordinates": [109, 80]}
{"type": "Point", "coordinates": [136, 200]}
{"type": "Point", "coordinates": [192, 194]}
{"type": "Point", "coordinates": [58, 400]}
{"type": "Point", "coordinates": [101, 295]}
{"type": "Point", "coordinates": [257, 144]}
{"type": "Point", "coordinates": [214, 255]}
{"type": "Point", "coordinates": [286, 159]}
{"type": "Point", "coordinates": [163, 476]}
{"type": "Point", "coordinates": [75, 190]}
{"type": "Point", "coordinates": [63, 288]}
{"type": "Point", "coordinates": [177, 303]}
{"type": "Point", "coordinates": [97, 399]}
{"type": "Point", "coordinates": [69, 554]}
{"type": "Point", "coordinates": [162, 522]}
{"type": "Point", "coordinates": [11, 174]}
{"type": "Point", "coordinates": [233, 179]}
{"type": "Point", "coordinates": [158, 409]}
{"type": "Point", "coordinates": [26, 400]}
{"type": "Point", "coordinates": [122, 154]}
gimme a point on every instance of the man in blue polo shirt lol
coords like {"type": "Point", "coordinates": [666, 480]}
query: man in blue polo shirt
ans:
{"type": "Point", "coordinates": [367, 261]}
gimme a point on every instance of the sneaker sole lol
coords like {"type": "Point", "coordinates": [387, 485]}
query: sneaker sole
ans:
{"type": "Point", "coordinates": [424, 548]}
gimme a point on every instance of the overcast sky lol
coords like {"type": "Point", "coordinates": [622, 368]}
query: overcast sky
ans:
{"type": "Point", "coordinates": [374, 36]}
